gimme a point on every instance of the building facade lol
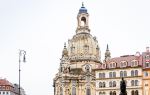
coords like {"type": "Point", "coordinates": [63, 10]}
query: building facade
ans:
{"type": "Point", "coordinates": [7, 88]}
{"type": "Point", "coordinates": [110, 72]}
{"type": "Point", "coordinates": [81, 71]}
{"type": "Point", "coordinates": [76, 75]}
{"type": "Point", "coordinates": [146, 72]}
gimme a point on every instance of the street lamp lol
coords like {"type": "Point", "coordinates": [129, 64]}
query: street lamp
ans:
{"type": "Point", "coordinates": [22, 58]}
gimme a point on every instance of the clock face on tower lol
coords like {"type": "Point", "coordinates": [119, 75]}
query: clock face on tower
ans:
{"type": "Point", "coordinates": [87, 68]}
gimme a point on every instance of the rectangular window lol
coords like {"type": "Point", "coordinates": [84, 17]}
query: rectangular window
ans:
{"type": "Point", "coordinates": [147, 64]}
{"type": "Point", "coordinates": [100, 75]}
{"type": "Point", "coordinates": [145, 74]}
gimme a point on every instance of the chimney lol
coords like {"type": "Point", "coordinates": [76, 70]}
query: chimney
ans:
{"type": "Point", "coordinates": [147, 49]}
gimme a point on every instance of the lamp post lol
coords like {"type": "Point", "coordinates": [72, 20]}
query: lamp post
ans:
{"type": "Point", "coordinates": [22, 58]}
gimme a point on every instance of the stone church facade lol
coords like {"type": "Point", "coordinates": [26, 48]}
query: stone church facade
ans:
{"type": "Point", "coordinates": [81, 71]}
{"type": "Point", "coordinates": [79, 58]}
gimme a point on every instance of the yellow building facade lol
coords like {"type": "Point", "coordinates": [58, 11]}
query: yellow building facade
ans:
{"type": "Point", "coordinates": [146, 72]}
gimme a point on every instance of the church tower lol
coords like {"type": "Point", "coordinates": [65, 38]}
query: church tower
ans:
{"type": "Point", "coordinates": [83, 19]}
{"type": "Point", "coordinates": [107, 54]}
{"type": "Point", "coordinates": [80, 57]}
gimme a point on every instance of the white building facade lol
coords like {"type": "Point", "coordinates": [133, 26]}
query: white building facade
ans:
{"type": "Point", "coordinates": [109, 74]}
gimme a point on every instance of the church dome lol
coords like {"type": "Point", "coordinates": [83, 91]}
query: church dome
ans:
{"type": "Point", "coordinates": [84, 47]}
{"type": "Point", "coordinates": [82, 9]}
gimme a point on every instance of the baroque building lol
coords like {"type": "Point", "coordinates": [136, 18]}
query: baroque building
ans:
{"type": "Point", "coordinates": [110, 72]}
{"type": "Point", "coordinates": [134, 68]}
{"type": "Point", "coordinates": [76, 74]}
{"type": "Point", "coordinates": [81, 71]}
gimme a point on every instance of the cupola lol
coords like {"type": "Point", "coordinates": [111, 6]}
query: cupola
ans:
{"type": "Point", "coordinates": [83, 19]}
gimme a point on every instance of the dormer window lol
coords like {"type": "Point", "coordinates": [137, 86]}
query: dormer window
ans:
{"type": "Point", "coordinates": [104, 66]}
{"type": "Point", "coordinates": [123, 63]}
{"type": "Point", "coordinates": [134, 63]}
{"type": "Point", "coordinates": [112, 65]}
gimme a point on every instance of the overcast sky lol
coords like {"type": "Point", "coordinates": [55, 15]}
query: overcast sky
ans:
{"type": "Point", "coordinates": [40, 27]}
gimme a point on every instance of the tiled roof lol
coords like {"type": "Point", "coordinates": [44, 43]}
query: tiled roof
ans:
{"type": "Point", "coordinates": [5, 82]}
{"type": "Point", "coordinates": [125, 58]}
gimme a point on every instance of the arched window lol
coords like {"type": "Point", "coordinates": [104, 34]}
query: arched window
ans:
{"type": "Point", "coordinates": [100, 75]}
{"type": "Point", "coordinates": [111, 65]}
{"type": "Point", "coordinates": [114, 83]}
{"type": "Point", "coordinates": [136, 72]}
{"type": "Point", "coordinates": [132, 82]}
{"type": "Point", "coordinates": [88, 91]}
{"type": "Point", "coordinates": [83, 21]}
{"type": "Point", "coordinates": [132, 92]}
{"type": "Point", "coordinates": [110, 74]}
{"type": "Point", "coordinates": [103, 75]}
{"type": "Point", "coordinates": [103, 93]}
{"type": "Point", "coordinates": [132, 73]}
{"type": "Point", "coordinates": [132, 63]}
{"type": "Point", "coordinates": [73, 91]}
{"type": "Point", "coordinates": [114, 74]}
{"type": "Point", "coordinates": [100, 93]}
{"type": "Point", "coordinates": [136, 63]}
{"type": "Point", "coordinates": [114, 93]}
{"type": "Point", "coordinates": [110, 84]}
{"type": "Point", "coordinates": [61, 91]}
{"type": "Point", "coordinates": [136, 92]}
{"type": "Point", "coordinates": [125, 73]}
{"type": "Point", "coordinates": [111, 93]}
{"type": "Point", "coordinates": [114, 65]}
{"type": "Point", "coordinates": [100, 84]}
{"type": "Point", "coordinates": [103, 84]}
{"type": "Point", "coordinates": [121, 73]}
{"type": "Point", "coordinates": [136, 82]}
